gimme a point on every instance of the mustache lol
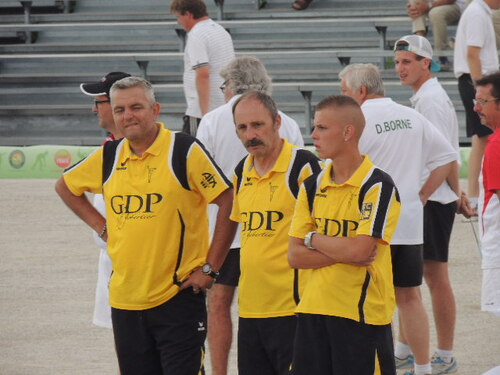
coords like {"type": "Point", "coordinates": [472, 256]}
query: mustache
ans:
{"type": "Point", "coordinates": [254, 142]}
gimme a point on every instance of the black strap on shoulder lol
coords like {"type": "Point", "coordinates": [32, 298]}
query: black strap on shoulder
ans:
{"type": "Point", "coordinates": [108, 158]}
{"type": "Point", "coordinates": [310, 184]}
{"type": "Point", "coordinates": [238, 171]}
{"type": "Point", "coordinates": [182, 144]}
{"type": "Point", "coordinates": [302, 157]}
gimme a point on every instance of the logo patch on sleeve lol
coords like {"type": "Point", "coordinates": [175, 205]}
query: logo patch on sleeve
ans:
{"type": "Point", "coordinates": [367, 210]}
{"type": "Point", "coordinates": [208, 180]}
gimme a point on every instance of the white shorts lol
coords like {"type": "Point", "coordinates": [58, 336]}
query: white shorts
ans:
{"type": "Point", "coordinates": [102, 310]}
{"type": "Point", "coordinates": [490, 292]}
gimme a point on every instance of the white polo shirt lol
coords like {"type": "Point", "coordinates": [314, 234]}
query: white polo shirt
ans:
{"type": "Point", "coordinates": [405, 144]}
{"type": "Point", "coordinates": [208, 43]}
{"type": "Point", "coordinates": [432, 101]}
{"type": "Point", "coordinates": [475, 28]}
{"type": "Point", "coordinates": [217, 132]}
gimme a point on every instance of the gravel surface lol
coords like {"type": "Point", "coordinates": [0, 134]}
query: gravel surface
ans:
{"type": "Point", "coordinates": [48, 271]}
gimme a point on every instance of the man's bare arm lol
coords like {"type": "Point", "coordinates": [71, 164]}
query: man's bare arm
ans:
{"type": "Point", "coordinates": [203, 87]}
{"type": "Point", "coordinates": [221, 242]}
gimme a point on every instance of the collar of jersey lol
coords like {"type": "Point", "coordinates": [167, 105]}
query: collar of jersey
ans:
{"type": "Point", "coordinates": [356, 179]}
{"type": "Point", "coordinates": [154, 149]}
{"type": "Point", "coordinates": [422, 91]}
{"type": "Point", "coordinates": [281, 165]}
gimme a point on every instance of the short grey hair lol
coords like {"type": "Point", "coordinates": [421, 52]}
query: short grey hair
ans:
{"type": "Point", "coordinates": [133, 81]}
{"type": "Point", "coordinates": [245, 74]}
{"type": "Point", "coordinates": [368, 75]}
{"type": "Point", "coordinates": [263, 98]}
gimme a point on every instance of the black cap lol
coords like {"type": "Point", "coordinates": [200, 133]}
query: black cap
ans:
{"type": "Point", "coordinates": [104, 85]}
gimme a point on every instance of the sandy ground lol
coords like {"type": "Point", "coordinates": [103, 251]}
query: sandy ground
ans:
{"type": "Point", "coordinates": [48, 271]}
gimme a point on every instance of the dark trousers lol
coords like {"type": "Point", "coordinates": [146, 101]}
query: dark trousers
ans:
{"type": "Point", "coordinates": [165, 340]}
{"type": "Point", "coordinates": [265, 345]}
{"type": "Point", "coordinates": [329, 345]}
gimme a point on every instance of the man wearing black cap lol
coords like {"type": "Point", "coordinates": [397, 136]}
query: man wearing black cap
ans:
{"type": "Point", "coordinates": [102, 109]}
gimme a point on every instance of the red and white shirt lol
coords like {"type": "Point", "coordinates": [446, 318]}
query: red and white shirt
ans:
{"type": "Point", "coordinates": [489, 204]}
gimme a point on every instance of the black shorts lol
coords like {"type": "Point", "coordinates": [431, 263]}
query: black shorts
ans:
{"type": "Point", "coordinates": [265, 345]}
{"type": "Point", "coordinates": [190, 125]}
{"type": "Point", "coordinates": [467, 94]}
{"type": "Point", "coordinates": [407, 265]}
{"type": "Point", "coordinates": [165, 340]}
{"type": "Point", "coordinates": [333, 345]}
{"type": "Point", "coordinates": [438, 223]}
{"type": "Point", "coordinates": [229, 273]}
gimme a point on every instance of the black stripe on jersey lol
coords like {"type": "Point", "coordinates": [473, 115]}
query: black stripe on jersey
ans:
{"type": "Point", "coordinates": [296, 295]}
{"type": "Point", "coordinates": [181, 250]}
{"type": "Point", "coordinates": [362, 298]}
{"type": "Point", "coordinates": [311, 186]}
{"type": "Point", "coordinates": [302, 158]}
{"type": "Point", "coordinates": [108, 158]}
{"type": "Point", "coordinates": [182, 146]}
{"type": "Point", "coordinates": [387, 189]}
{"type": "Point", "coordinates": [238, 171]}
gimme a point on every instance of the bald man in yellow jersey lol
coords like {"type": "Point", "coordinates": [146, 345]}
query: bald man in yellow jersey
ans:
{"type": "Point", "coordinates": [157, 185]}
{"type": "Point", "coordinates": [341, 230]}
{"type": "Point", "coordinates": [266, 184]}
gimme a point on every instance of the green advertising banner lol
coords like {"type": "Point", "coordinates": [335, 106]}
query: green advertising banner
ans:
{"type": "Point", "coordinates": [51, 161]}
{"type": "Point", "coordinates": [40, 161]}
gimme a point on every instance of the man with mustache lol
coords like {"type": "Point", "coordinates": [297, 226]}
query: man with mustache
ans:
{"type": "Point", "coordinates": [266, 184]}
{"type": "Point", "coordinates": [217, 134]}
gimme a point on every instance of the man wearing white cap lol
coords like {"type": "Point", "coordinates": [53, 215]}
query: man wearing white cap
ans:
{"type": "Point", "coordinates": [413, 59]}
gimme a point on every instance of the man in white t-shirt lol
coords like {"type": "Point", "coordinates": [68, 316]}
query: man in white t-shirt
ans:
{"type": "Point", "coordinates": [102, 108]}
{"type": "Point", "coordinates": [475, 55]}
{"type": "Point", "coordinates": [414, 65]}
{"type": "Point", "coordinates": [209, 48]}
{"type": "Point", "coordinates": [216, 132]}
{"type": "Point", "coordinates": [406, 145]}
{"type": "Point", "coordinates": [441, 13]}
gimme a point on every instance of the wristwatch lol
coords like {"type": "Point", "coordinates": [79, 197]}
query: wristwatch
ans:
{"type": "Point", "coordinates": [308, 240]}
{"type": "Point", "coordinates": [209, 271]}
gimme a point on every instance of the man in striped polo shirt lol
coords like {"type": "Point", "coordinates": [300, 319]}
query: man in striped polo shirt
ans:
{"type": "Point", "coordinates": [209, 48]}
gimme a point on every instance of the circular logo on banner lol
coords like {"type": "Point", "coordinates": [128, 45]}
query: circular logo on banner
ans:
{"type": "Point", "coordinates": [63, 158]}
{"type": "Point", "coordinates": [17, 159]}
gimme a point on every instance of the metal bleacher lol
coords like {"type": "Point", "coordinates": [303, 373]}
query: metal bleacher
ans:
{"type": "Point", "coordinates": [63, 43]}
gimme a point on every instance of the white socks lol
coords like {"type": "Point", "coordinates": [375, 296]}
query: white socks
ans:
{"type": "Point", "coordinates": [445, 355]}
{"type": "Point", "coordinates": [401, 350]}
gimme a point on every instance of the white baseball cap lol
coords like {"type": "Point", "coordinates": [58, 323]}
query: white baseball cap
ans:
{"type": "Point", "coordinates": [420, 46]}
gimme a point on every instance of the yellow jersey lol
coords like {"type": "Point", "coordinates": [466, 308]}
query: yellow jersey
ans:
{"type": "Point", "coordinates": [156, 209]}
{"type": "Point", "coordinates": [367, 204]}
{"type": "Point", "coordinates": [268, 286]}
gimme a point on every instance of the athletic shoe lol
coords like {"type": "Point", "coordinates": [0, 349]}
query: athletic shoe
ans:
{"type": "Point", "coordinates": [412, 372]}
{"type": "Point", "coordinates": [403, 363]}
{"type": "Point", "coordinates": [441, 367]}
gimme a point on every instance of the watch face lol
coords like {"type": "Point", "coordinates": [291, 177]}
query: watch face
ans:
{"type": "Point", "coordinates": [206, 268]}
